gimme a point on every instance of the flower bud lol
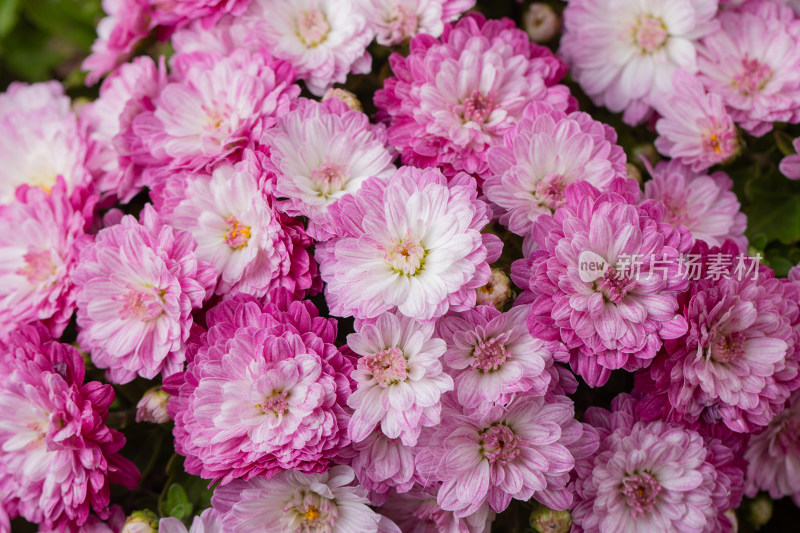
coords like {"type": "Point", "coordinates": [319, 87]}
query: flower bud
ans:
{"type": "Point", "coordinates": [633, 172]}
{"type": "Point", "coordinates": [345, 96]}
{"type": "Point", "coordinates": [759, 511]}
{"type": "Point", "coordinates": [497, 292]}
{"type": "Point", "coordinates": [153, 407]}
{"type": "Point", "coordinates": [541, 22]}
{"type": "Point", "coordinates": [546, 520]}
{"type": "Point", "coordinates": [141, 522]}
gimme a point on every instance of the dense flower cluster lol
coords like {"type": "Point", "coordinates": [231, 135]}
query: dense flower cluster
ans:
{"type": "Point", "coordinates": [370, 266]}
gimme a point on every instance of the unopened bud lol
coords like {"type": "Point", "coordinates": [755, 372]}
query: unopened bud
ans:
{"type": "Point", "coordinates": [153, 407]}
{"type": "Point", "coordinates": [541, 22]}
{"type": "Point", "coordinates": [730, 514]}
{"type": "Point", "coordinates": [759, 511]}
{"type": "Point", "coordinates": [141, 522]}
{"type": "Point", "coordinates": [546, 520]}
{"type": "Point", "coordinates": [633, 172]}
{"type": "Point", "coordinates": [345, 96]}
{"type": "Point", "coordinates": [497, 292]}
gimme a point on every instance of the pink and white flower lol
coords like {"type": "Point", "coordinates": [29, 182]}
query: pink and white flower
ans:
{"type": "Point", "coordinates": [492, 356]}
{"type": "Point", "coordinates": [340, 151]}
{"type": "Point", "coordinates": [452, 99]}
{"type": "Point", "coordinates": [397, 21]}
{"type": "Point", "coordinates": [412, 244]}
{"type": "Point", "coordinates": [624, 56]}
{"type": "Point", "coordinates": [399, 376]}
{"type": "Point", "coordinates": [41, 235]}
{"type": "Point", "coordinates": [753, 62]}
{"type": "Point", "coordinates": [419, 512]}
{"type": "Point", "coordinates": [323, 39]}
{"type": "Point", "coordinates": [705, 205]}
{"type": "Point", "coordinates": [605, 279]}
{"type": "Point", "coordinates": [790, 165]}
{"type": "Point", "coordinates": [238, 231]}
{"type": "Point", "coordinates": [264, 391]}
{"type": "Point", "coordinates": [382, 464]}
{"type": "Point", "coordinates": [139, 282]}
{"type": "Point", "coordinates": [208, 522]}
{"type": "Point", "coordinates": [694, 126]}
{"type": "Point", "coordinates": [541, 156]}
{"type": "Point", "coordinates": [296, 501]}
{"type": "Point", "coordinates": [57, 456]}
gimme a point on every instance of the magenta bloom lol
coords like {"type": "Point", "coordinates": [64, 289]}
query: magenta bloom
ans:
{"type": "Point", "coordinates": [753, 63]}
{"type": "Point", "coordinates": [217, 107]}
{"type": "Point", "coordinates": [400, 378]}
{"type": "Point", "coordinates": [264, 391]}
{"type": "Point", "coordinates": [181, 12]}
{"type": "Point", "coordinates": [523, 451]}
{"type": "Point", "coordinates": [738, 363]}
{"type": "Point", "coordinates": [706, 205]}
{"type": "Point", "coordinates": [492, 356]}
{"type": "Point", "coordinates": [412, 244]}
{"type": "Point", "coordinates": [790, 166]}
{"type": "Point", "coordinates": [57, 456]}
{"type": "Point", "coordinates": [451, 100]}
{"type": "Point", "coordinates": [694, 126]}
{"type": "Point", "coordinates": [41, 235]}
{"type": "Point", "coordinates": [604, 280]}
{"type": "Point", "coordinates": [653, 476]}
{"type": "Point", "coordinates": [253, 247]}
{"type": "Point", "coordinates": [774, 455]}
{"type": "Point", "coordinates": [295, 501]}
{"type": "Point", "coordinates": [541, 156]}
{"type": "Point", "coordinates": [139, 282]}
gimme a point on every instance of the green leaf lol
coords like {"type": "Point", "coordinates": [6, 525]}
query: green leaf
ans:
{"type": "Point", "coordinates": [774, 208]}
{"type": "Point", "coordinates": [9, 13]}
{"type": "Point", "coordinates": [784, 142]}
{"type": "Point", "coordinates": [177, 503]}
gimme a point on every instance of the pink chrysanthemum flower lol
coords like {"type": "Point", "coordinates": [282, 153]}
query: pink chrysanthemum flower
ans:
{"type": "Point", "coordinates": [323, 39]}
{"type": "Point", "coordinates": [238, 231]}
{"type": "Point", "coordinates": [412, 244]}
{"type": "Point", "coordinates": [451, 100]}
{"type": "Point", "coordinates": [397, 21]}
{"type": "Point", "coordinates": [340, 151]}
{"type": "Point", "coordinates": [41, 236]}
{"type": "Point", "coordinates": [40, 140]}
{"type": "Point", "coordinates": [492, 356]}
{"type": "Point", "coordinates": [521, 452]}
{"type": "Point", "coordinates": [58, 457]}
{"type": "Point", "coordinates": [653, 476]}
{"type": "Point", "coordinates": [139, 282]}
{"type": "Point", "coordinates": [419, 512]}
{"type": "Point", "coordinates": [399, 376]}
{"type": "Point", "coordinates": [181, 12]}
{"type": "Point", "coordinates": [208, 522]}
{"type": "Point", "coordinates": [694, 126]}
{"type": "Point", "coordinates": [107, 121]}
{"type": "Point", "coordinates": [774, 455]}
{"type": "Point", "coordinates": [541, 156]}
{"type": "Point", "coordinates": [790, 165]}
{"type": "Point", "coordinates": [624, 57]}
{"type": "Point", "coordinates": [382, 464]}
{"type": "Point", "coordinates": [753, 63]}
{"type": "Point", "coordinates": [295, 501]}
{"type": "Point", "coordinates": [264, 392]}
{"type": "Point", "coordinates": [605, 279]}
{"type": "Point", "coordinates": [706, 205]}
{"type": "Point", "coordinates": [127, 22]}
{"type": "Point", "coordinates": [216, 108]}
{"type": "Point", "coordinates": [737, 364]}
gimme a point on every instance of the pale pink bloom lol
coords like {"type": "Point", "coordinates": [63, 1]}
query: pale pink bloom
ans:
{"type": "Point", "coordinates": [216, 108]}
{"type": "Point", "coordinates": [695, 127]}
{"type": "Point", "coordinates": [41, 236]}
{"type": "Point", "coordinates": [39, 140]}
{"type": "Point", "coordinates": [492, 355]}
{"type": "Point", "coordinates": [543, 154]}
{"type": "Point", "coordinates": [452, 99]}
{"type": "Point", "coordinates": [208, 522]}
{"type": "Point", "coordinates": [705, 204]}
{"type": "Point", "coordinates": [400, 378]}
{"type": "Point", "coordinates": [323, 39]}
{"type": "Point", "coordinates": [127, 22]}
{"type": "Point", "coordinates": [419, 512]}
{"type": "Point", "coordinates": [541, 22]}
{"type": "Point", "coordinates": [239, 232]}
{"type": "Point", "coordinates": [153, 407]}
{"type": "Point", "coordinates": [412, 244]}
{"type": "Point", "coordinates": [340, 150]}
{"type": "Point", "coordinates": [139, 282]}
{"type": "Point", "coordinates": [624, 55]}
{"type": "Point", "coordinates": [381, 464]}
{"type": "Point", "coordinates": [57, 456]}
{"type": "Point", "coordinates": [753, 63]}
{"type": "Point", "coordinates": [226, 35]}
{"type": "Point", "coordinates": [295, 501]}
{"type": "Point", "coordinates": [790, 165]}
{"type": "Point", "coordinates": [774, 455]}
{"type": "Point", "coordinates": [397, 21]}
